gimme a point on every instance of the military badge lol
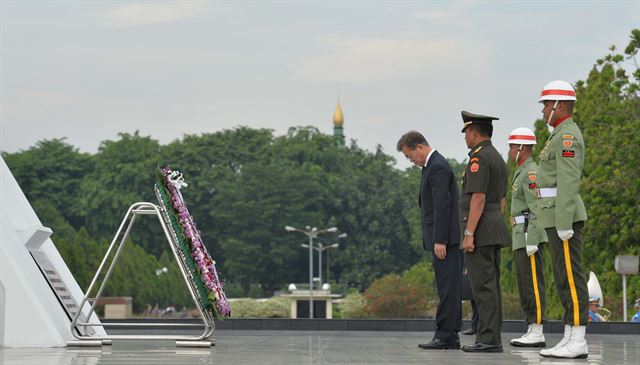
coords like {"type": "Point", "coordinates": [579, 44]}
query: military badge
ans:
{"type": "Point", "coordinates": [568, 143]}
{"type": "Point", "coordinates": [568, 153]}
{"type": "Point", "coordinates": [474, 167]}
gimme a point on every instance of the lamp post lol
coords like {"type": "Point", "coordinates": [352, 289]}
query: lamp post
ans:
{"type": "Point", "coordinates": [322, 247]}
{"type": "Point", "coordinates": [311, 232]}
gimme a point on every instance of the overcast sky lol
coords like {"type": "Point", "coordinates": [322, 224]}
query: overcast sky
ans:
{"type": "Point", "coordinates": [86, 70]}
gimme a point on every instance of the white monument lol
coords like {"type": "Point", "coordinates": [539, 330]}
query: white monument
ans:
{"type": "Point", "coordinates": [38, 294]}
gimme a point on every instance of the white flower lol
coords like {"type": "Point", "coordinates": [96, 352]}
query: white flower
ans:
{"type": "Point", "coordinates": [176, 179]}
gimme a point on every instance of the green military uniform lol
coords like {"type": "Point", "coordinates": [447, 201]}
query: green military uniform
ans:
{"type": "Point", "coordinates": [524, 215]}
{"type": "Point", "coordinates": [561, 208]}
{"type": "Point", "coordinates": [486, 173]}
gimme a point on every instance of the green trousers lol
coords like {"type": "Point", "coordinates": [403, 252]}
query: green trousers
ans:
{"type": "Point", "coordinates": [531, 284]}
{"type": "Point", "coordinates": [571, 282]}
{"type": "Point", "coordinates": [483, 268]}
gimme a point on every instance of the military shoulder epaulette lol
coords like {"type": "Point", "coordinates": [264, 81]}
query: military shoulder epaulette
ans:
{"type": "Point", "coordinates": [477, 149]}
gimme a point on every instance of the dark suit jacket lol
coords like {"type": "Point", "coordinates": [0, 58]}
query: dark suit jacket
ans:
{"type": "Point", "coordinates": [439, 204]}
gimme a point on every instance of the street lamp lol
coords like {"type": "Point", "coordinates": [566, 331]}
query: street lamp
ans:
{"type": "Point", "coordinates": [311, 232]}
{"type": "Point", "coordinates": [326, 247]}
{"type": "Point", "coordinates": [161, 271]}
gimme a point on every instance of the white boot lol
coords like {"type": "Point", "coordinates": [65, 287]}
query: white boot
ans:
{"type": "Point", "coordinates": [533, 338]}
{"type": "Point", "coordinates": [567, 334]}
{"type": "Point", "coordinates": [574, 348]}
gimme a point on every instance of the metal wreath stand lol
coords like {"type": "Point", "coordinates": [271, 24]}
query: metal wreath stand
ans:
{"type": "Point", "coordinates": [83, 340]}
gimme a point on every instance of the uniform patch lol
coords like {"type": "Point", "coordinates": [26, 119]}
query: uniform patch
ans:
{"type": "Point", "coordinates": [533, 185]}
{"type": "Point", "coordinates": [567, 136]}
{"type": "Point", "coordinates": [568, 153]}
{"type": "Point", "coordinates": [568, 143]}
{"type": "Point", "coordinates": [475, 159]}
{"type": "Point", "coordinates": [474, 167]}
{"type": "Point", "coordinates": [533, 177]}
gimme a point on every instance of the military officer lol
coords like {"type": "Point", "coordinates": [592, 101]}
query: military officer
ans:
{"type": "Point", "coordinates": [526, 237]}
{"type": "Point", "coordinates": [562, 214]}
{"type": "Point", "coordinates": [484, 187]}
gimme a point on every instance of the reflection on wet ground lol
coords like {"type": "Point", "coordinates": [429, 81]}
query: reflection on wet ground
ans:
{"type": "Point", "coordinates": [302, 347]}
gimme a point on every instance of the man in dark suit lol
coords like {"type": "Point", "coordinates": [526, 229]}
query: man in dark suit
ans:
{"type": "Point", "coordinates": [438, 202]}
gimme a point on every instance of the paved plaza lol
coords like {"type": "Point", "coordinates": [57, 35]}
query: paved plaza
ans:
{"type": "Point", "coordinates": [325, 347]}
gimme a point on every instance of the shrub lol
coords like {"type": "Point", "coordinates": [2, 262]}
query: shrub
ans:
{"type": "Point", "coordinates": [352, 306]}
{"type": "Point", "coordinates": [277, 307]}
{"type": "Point", "coordinates": [395, 297]}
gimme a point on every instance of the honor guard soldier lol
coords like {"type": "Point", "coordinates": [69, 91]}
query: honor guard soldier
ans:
{"type": "Point", "coordinates": [562, 214]}
{"type": "Point", "coordinates": [482, 202]}
{"type": "Point", "coordinates": [526, 236]}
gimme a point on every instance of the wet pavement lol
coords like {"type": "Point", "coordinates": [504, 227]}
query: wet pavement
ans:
{"type": "Point", "coordinates": [313, 347]}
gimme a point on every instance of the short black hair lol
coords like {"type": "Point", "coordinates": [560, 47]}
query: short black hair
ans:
{"type": "Point", "coordinates": [568, 105]}
{"type": "Point", "coordinates": [485, 130]}
{"type": "Point", "coordinates": [411, 140]}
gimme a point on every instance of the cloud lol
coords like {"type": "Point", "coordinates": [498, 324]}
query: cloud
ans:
{"type": "Point", "coordinates": [377, 59]}
{"type": "Point", "coordinates": [131, 15]}
{"type": "Point", "coordinates": [451, 11]}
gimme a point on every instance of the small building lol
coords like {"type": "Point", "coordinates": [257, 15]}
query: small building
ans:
{"type": "Point", "coordinates": [116, 307]}
{"type": "Point", "coordinates": [322, 303]}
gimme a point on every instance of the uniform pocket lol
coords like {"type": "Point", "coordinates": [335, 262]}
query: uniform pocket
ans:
{"type": "Point", "coordinates": [548, 203]}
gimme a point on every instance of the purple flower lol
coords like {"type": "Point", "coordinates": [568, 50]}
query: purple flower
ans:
{"type": "Point", "coordinates": [205, 264]}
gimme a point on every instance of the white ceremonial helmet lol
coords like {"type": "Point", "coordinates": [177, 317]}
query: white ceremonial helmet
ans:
{"type": "Point", "coordinates": [595, 291]}
{"type": "Point", "coordinates": [522, 135]}
{"type": "Point", "coordinates": [557, 90]}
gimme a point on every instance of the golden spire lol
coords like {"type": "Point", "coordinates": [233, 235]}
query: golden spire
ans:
{"type": "Point", "coordinates": [338, 118]}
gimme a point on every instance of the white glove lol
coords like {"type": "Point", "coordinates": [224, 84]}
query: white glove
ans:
{"type": "Point", "coordinates": [565, 235]}
{"type": "Point", "coordinates": [531, 249]}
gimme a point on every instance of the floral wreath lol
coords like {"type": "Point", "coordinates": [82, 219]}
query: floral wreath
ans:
{"type": "Point", "coordinates": [200, 266]}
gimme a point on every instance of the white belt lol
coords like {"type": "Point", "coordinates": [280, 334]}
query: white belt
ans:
{"type": "Point", "coordinates": [517, 220]}
{"type": "Point", "coordinates": [547, 192]}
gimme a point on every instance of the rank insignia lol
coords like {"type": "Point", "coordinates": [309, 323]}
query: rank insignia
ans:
{"type": "Point", "coordinates": [568, 153]}
{"type": "Point", "coordinates": [477, 149]}
{"type": "Point", "coordinates": [568, 143]}
{"type": "Point", "coordinates": [474, 167]}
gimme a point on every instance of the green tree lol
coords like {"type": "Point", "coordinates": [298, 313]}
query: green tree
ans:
{"type": "Point", "coordinates": [51, 172]}
{"type": "Point", "coordinates": [608, 110]}
{"type": "Point", "coordinates": [123, 174]}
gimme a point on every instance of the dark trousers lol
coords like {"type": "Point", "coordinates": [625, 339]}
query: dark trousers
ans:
{"type": "Point", "coordinates": [531, 284]}
{"type": "Point", "coordinates": [483, 268]}
{"type": "Point", "coordinates": [474, 315]}
{"type": "Point", "coordinates": [569, 276]}
{"type": "Point", "coordinates": [448, 277]}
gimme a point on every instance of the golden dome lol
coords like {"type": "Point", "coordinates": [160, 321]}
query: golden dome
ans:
{"type": "Point", "coordinates": [338, 118]}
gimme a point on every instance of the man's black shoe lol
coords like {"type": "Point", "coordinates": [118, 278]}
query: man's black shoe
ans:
{"type": "Point", "coordinates": [438, 344]}
{"type": "Point", "coordinates": [481, 347]}
{"type": "Point", "coordinates": [469, 331]}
